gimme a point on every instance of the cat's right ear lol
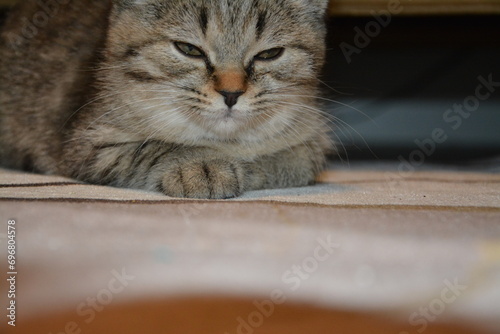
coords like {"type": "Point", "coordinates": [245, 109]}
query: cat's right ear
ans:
{"type": "Point", "coordinates": [147, 9]}
{"type": "Point", "coordinates": [122, 7]}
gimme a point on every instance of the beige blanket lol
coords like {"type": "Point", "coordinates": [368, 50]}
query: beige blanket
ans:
{"type": "Point", "coordinates": [366, 250]}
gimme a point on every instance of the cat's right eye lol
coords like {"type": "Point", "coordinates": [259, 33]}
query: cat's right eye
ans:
{"type": "Point", "coordinates": [189, 50]}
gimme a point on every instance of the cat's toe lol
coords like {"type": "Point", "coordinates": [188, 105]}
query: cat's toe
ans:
{"type": "Point", "coordinates": [207, 179]}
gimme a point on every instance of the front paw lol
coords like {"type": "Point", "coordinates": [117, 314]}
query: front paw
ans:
{"type": "Point", "coordinates": [213, 178]}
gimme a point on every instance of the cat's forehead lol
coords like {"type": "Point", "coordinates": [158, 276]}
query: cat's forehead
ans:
{"type": "Point", "coordinates": [222, 28]}
{"type": "Point", "coordinates": [215, 20]}
{"type": "Point", "coordinates": [229, 15]}
{"type": "Point", "coordinates": [238, 24]}
{"type": "Point", "coordinates": [231, 28]}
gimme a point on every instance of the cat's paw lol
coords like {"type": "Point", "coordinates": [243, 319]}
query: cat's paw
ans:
{"type": "Point", "coordinates": [214, 178]}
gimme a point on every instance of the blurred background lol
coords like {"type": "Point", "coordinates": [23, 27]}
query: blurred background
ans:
{"type": "Point", "coordinates": [399, 88]}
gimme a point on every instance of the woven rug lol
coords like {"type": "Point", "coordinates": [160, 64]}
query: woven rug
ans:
{"type": "Point", "coordinates": [368, 249]}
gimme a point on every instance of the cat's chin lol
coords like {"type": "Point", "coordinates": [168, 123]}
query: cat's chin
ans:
{"type": "Point", "coordinates": [227, 125]}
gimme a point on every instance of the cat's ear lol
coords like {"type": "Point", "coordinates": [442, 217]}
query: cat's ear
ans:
{"type": "Point", "coordinates": [322, 5]}
{"type": "Point", "coordinates": [319, 7]}
{"type": "Point", "coordinates": [120, 5]}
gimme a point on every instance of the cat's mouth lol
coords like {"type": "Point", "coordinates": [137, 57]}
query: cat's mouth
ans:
{"type": "Point", "coordinates": [227, 114]}
{"type": "Point", "coordinates": [227, 123]}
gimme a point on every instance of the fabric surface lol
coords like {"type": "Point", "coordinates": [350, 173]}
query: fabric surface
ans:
{"type": "Point", "coordinates": [420, 249]}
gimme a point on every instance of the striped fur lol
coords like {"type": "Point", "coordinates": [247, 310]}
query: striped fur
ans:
{"type": "Point", "coordinates": [193, 98]}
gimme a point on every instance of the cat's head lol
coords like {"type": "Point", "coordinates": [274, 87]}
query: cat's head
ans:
{"type": "Point", "coordinates": [201, 71]}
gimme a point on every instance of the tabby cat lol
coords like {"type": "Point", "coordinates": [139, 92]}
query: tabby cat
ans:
{"type": "Point", "coordinates": [191, 98]}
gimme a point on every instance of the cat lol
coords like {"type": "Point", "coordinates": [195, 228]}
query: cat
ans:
{"type": "Point", "coordinates": [190, 98]}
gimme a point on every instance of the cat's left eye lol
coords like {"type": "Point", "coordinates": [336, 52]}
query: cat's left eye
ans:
{"type": "Point", "coordinates": [270, 54]}
{"type": "Point", "coordinates": [189, 50]}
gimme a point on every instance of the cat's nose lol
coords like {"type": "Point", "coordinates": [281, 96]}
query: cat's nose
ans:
{"type": "Point", "coordinates": [230, 98]}
{"type": "Point", "coordinates": [230, 83]}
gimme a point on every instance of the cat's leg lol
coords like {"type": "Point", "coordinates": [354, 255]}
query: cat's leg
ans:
{"type": "Point", "coordinates": [174, 170]}
{"type": "Point", "coordinates": [295, 167]}
{"type": "Point", "coordinates": [193, 172]}
{"type": "Point", "coordinates": [205, 173]}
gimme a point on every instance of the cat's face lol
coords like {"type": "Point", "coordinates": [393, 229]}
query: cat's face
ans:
{"type": "Point", "coordinates": [215, 70]}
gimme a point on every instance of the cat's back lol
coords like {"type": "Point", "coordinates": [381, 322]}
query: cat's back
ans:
{"type": "Point", "coordinates": [47, 52]}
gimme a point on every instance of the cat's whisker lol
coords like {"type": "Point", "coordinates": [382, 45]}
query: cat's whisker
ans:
{"type": "Point", "coordinates": [156, 123]}
{"type": "Point", "coordinates": [102, 68]}
{"type": "Point", "coordinates": [110, 112]}
{"type": "Point", "coordinates": [154, 133]}
{"type": "Point", "coordinates": [321, 112]}
{"type": "Point", "coordinates": [298, 136]}
{"type": "Point", "coordinates": [273, 132]}
{"type": "Point", "coordinates": [333, 131]}
{"type": "Point", "coordinates": [331, 118]}
{"type": "Point", "coordinates": [325, 123]}
{"type": "Point", "coordinates": [103, 97]}
{"type": "Point", "coordinates": [331, 88]}
{"type": "Point", "coordinates": [340, 127]}
{"type": "Point", "coordinates": [331, 101]}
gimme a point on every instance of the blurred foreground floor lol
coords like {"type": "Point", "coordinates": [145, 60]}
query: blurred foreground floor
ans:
{"type": "Point", "coordinates": [373, 248]}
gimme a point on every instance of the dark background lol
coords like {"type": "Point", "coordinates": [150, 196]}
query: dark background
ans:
{"type": "Point", "coordinates": [405, 80]}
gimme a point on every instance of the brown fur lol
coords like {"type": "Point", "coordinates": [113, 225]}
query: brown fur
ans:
{"type": "Point", "coordinates": [101, 92]}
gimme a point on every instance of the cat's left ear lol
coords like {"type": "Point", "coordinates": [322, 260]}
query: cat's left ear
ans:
{"type": "Point", "coordinates": [319, 7]}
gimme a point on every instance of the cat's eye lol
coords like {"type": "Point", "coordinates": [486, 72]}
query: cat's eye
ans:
{"type": "Point", "coordinates": [270, 54]}
{"type": "Point", "coordinates": [189, 50]}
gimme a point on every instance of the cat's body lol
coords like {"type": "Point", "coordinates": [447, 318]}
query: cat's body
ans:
{"type": "Point", "coordinates": [193, 98]}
